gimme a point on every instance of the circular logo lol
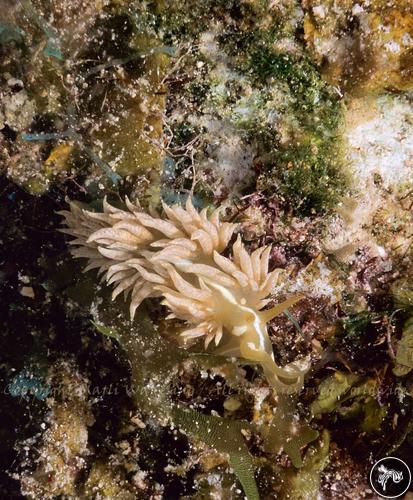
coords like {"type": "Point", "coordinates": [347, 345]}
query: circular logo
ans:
{"type": "Point", "coordinates": [390, 477]}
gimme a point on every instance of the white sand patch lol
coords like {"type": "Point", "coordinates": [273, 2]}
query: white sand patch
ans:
{"type": "Point", "coordinates": [379, 135]}
{"type": "Point", "coordinates": [383, 144]}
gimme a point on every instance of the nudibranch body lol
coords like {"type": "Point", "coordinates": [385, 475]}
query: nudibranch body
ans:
{"type": "Point", "coordinates": [179, 258]}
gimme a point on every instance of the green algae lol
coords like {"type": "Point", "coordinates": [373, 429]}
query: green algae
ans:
{"type": "Point", "coordinates": [153, 362]}
{"type": "Point", "coordinates": [153, 359]}
{"type": "Point", "coordinates": [226, 437]}
{"type": "Point", "coordinates": [353, 398]}
{"type": "Point", "coordinates": [125, 91]}
{"type": "Point", "coordinates": [305, 485]}
{"type": "Point", "coordinates": [404, 356]}
{"type": "Point", "coordinates": [288, 431]}
{"type": "Point", "coordinates": [403, 296]}
{"type": "Point", "coordinates": [307, 171]}
{"type": "Point", "coordinates": [306, 166]}
{"type": "Point", "coordinates": [117, 119]}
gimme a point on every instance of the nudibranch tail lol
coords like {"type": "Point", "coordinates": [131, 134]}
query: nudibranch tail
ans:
{"type": "Point", "coordinates": [180, 259]}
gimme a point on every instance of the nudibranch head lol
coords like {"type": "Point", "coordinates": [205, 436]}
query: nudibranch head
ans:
{"type": "Point", "coordinates": [179, 258]}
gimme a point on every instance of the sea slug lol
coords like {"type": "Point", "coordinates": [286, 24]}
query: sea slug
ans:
{"type": "Point", "coordinates": [179, 258]}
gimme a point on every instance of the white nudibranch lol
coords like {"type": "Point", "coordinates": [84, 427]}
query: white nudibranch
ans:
{"type": "Point", "coordinates": [179, 258]}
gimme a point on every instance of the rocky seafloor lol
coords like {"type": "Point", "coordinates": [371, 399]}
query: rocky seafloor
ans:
{"type": "Point", "coordinates": [293, 116]}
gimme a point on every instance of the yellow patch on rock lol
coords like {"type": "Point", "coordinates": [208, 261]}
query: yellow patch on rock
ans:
{"type": "Point", "coordinates": [59, 157]}
{"type": "Point", "coordinates": [364, 47]}
{"type": "Point", "coordinates": [131, 137]}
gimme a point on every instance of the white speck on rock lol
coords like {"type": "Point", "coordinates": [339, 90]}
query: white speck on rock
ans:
{"type": "Point", "coordinates": [392, 46]}
{"type": "Point", "coordinates": [357, 9]}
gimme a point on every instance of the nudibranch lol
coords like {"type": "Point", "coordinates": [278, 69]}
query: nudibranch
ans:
{"type": "Point", "coordinates": [179, 258]}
